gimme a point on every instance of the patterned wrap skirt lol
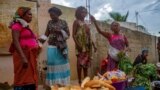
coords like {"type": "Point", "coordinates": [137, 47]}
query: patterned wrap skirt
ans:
{"type": "Point", "coordinates": [58, 68]}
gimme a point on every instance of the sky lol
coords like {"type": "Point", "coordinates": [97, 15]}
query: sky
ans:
{"type": "Point", "coordinates": [148, 10]}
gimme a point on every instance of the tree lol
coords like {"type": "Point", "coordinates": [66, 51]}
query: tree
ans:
{"type": "Point", "coordinates": [118, 17]}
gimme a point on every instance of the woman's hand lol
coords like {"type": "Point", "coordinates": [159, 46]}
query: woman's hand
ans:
{"type": "Point", "coordinates": [24, 62]}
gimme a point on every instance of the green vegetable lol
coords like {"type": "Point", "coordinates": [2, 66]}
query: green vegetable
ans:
{"type": "Point", "coordinates": [146, 70]}
{"type": "Point", "coordinates": [124, 63]}
{"type": "Point", "coordinates": [143, 74]}
{"type": "Point", "coordinates": [142, 81]}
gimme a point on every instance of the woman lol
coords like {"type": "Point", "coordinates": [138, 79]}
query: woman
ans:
{"type": "Point", "coordinates": [142, 58]}
{"type": "Point", "coordinates": [117, 41]}
{"type": "Point", "coordinates": [25, 50]}
{"type": "Point", "coordinates": [83, 42]}
{"type": "Point", "coordinates": [58, 69]}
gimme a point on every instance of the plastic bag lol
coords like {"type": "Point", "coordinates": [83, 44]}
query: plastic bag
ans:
{"type": "Point", "coordinates": [113, 53]}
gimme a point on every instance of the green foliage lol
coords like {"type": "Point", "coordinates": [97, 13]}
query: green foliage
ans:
{"type": "Point", "coordinates": [146, 70]}
{"type": "Point", "coordinates": [118, 17]}
{"type": "Point", "coordinates": [142, 81]}
{"type": "Point", "coordinates": [124, 63]}
{"type": "Point", "coordinates": [143, 74]}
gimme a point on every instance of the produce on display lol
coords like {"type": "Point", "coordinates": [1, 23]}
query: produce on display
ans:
{"type": "Point", "coordinates": [115, 76]}
{"type": "Point", "coordinates": [143, 74]}
{"type": "Point", "coordinates": [142, 81]}
{"type": "Point", "coordinates": [95, 84]}
{"type": "Point", "coordinates": [146, 70]}
{"type": "Point", "coordinates": [124, 63]}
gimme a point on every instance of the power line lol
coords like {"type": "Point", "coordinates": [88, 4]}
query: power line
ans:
{"type": "Point", "coordinates": [136, 14]}
{"type": "Point", "coordinates": [149, 10]}
{"type": "Point", "coordinates": [143, 21]}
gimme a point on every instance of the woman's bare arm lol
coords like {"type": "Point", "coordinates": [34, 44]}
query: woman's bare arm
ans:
{"type": "Point", "coordinates": [105, 34]}
{"type": "Point", "coordinates": [15, 35]}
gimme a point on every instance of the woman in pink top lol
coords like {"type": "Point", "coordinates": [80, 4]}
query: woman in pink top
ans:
{"type": "Point", "coordinates": [25, 50]}
{"type": "Point", "coordinates": [117, 42]}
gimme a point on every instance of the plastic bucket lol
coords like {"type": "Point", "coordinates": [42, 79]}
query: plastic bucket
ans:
{"type": "Point", "coordinates": [120, 85]}
{"type": "Point", "coordinates": [135, 88]}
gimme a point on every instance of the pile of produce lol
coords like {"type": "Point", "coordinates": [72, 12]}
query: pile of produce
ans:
{"type": "Point", "coordinates": [95, 84]}
{"type": "Point", "coordinates": [143, 74]}
{"type": "Point", "coordinates": [146, 70]}
{"type": "Point", "coordinates": [73, 87]}
{"type": "Point", "coordinates": [124, 63]}
{"type": "Point", "coordinates": [115, 76]}
{"type": "Point", "coordinates": [142, 81]}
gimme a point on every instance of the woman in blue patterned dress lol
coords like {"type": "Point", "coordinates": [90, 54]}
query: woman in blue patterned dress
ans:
{"type": "Point", "coordinates": [58, 69]}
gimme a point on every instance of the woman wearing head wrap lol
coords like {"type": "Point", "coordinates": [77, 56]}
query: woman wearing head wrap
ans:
{"type": "Point", "coordinates": [117, 42]}
{"type": "Point", "coordinates": [141, 58]}
{"type": "Point", "coordinates": [58, 70]}
{"type": "Point", "coordinates": [25, 50]}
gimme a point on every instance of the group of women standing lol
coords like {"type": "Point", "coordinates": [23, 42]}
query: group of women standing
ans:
{"type": "Point", "coordinates": [25, 47]}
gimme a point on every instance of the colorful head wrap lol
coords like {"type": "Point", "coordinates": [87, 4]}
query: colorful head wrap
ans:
{"type": "Point", "coordinates": [21, 11]}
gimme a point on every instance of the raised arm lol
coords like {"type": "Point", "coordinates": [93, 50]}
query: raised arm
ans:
{"type": "Point", "coordinates": [105, 34]}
